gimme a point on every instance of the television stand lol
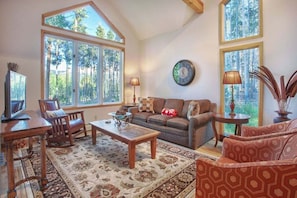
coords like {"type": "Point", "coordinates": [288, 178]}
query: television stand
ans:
{"type": "Point", "coordinates": [21, 116]}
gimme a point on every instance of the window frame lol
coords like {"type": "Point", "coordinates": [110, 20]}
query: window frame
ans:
{"type": "Point", "coordinates": [239, 44]}
{"type": "Point", "coordinates": [93, 5]}
{"type": "Point", "coordinates": [222, 26]}
{"type": "Point", "coordinates": [81, 40]}
{"type": "Point", "coordinates": [222, 70]}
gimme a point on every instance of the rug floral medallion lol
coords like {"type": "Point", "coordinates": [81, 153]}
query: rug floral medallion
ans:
{"type": "Point", "coordinates": [102, 170]}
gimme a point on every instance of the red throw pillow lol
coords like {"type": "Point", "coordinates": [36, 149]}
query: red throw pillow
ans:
{"type": "Point", "coordinates": [169, 112]}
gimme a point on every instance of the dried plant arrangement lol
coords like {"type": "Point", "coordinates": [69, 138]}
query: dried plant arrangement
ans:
{"type": "Point", "coordinates": [281, 93]}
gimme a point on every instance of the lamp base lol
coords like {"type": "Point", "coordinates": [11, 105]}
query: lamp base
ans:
{"type": "Point", "coordinates": [232, 114]}
{"type": "Point", "coordinates": [232, 107]}
{"type": "Point", "coordinates": [134, 99]}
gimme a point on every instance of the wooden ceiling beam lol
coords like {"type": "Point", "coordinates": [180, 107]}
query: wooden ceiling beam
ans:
{"type": "Point", "coordinates": [196, 5]}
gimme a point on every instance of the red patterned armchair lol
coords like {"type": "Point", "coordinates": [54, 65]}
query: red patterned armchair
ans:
{"type": "Point", "coordinates": [264, 167]}
{"type": "Point", "coordinates": [280, 127]}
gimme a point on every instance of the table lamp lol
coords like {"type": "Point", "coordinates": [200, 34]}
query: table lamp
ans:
{"type": "Point", "coordinates": [134, 81]}
{"type": "Point", "coordinates": [232, 77]}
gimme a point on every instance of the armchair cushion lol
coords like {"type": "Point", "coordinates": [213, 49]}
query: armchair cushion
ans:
{"type": "Point", "coordinates": [257, 150]}
{"type": "Point", "coordinates": [55, 113]}
{"type": "Point", "coordinates": [51, 105]}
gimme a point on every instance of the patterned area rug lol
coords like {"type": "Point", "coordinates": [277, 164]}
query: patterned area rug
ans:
{"type": "Point", "coordinates": [102, 170]}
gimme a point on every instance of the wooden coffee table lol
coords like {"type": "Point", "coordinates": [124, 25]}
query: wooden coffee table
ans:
{"type": "Point", "coordinates": [131, 135]}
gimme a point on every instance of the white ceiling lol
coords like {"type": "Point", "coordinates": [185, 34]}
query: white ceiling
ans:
{"type": "Point", "coordinates": [149, 18]}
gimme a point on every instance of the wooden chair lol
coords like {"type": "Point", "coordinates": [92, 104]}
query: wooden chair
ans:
{"type": "Point", "coordinates": [65, 126]}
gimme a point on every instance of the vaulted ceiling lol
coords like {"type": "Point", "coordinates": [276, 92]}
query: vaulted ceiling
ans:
{"type": "Point", "coordinates": [149, 18]}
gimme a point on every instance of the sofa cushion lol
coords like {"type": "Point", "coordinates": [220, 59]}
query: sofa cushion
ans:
{"type": "Point", "coordinates": [142, 116]}
{"type": "Point", "coordinates": [185, 108]}
{"type": "Point", "coordinates": [193, 109]}
{"type": "Point", "coordinates": [178, 123]}
{"type": "Point", "coordinates": [146, 104]}
{"type": "Point", "coordinates": [158, 104]}
{"type": "Point", "coordinates": [176, 104]}
{"type": "Point", "coordinates": [158, 119]}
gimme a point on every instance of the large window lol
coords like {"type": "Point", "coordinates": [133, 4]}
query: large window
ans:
{"type": "Point", "coordinates": [240, 33]}
{"type": "Point", "coordinates": [80, 74]}
{"type": "Point", "coordinates": [79, 71]}
{"type": "Point", "coordinates": [246, 95]}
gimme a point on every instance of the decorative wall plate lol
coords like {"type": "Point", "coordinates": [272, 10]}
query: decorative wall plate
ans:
{"type": "Point", "coordinates": [183, 72]}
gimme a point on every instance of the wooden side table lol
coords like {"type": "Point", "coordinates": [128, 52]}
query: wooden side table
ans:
{"type": "Point", "coordinates": [237, 119]}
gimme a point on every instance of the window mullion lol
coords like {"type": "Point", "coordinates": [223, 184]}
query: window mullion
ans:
{"type": "Point", "coordinates": [75, 74]}
{"type": "Point", "coordinates": [100, 76]}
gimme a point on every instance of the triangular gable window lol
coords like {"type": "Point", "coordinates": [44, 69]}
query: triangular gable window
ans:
{"type": "Point", "coordinates": [86, 19]}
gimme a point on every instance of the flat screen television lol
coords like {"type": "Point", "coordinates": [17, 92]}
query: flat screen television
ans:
{"type": "Point", "coordinates": [15, 97]}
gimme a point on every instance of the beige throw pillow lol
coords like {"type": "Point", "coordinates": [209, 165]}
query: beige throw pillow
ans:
{"type": "Point", "coordinates": [193, 109]}
{"type": "Point", "coordinates": [55, 113]}
{"type": "Point", "coordinates": [146, 104]}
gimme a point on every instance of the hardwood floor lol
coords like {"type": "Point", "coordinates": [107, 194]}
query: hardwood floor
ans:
{"type": "Point", "coordinates": [24, 190]}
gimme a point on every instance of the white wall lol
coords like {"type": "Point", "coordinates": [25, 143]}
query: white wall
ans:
{"type": "Point", "coordinates": [198, 41]}
{"type": "Point", "coordinates": [20, 38]}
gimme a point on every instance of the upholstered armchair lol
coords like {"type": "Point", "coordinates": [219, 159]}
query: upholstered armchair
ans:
{"type": "Point", "coordinates": [280, 127]}
{"type": "Point", "coordinates": [65, 126]}
{"type": "Point", "coordinates": [264, 167]}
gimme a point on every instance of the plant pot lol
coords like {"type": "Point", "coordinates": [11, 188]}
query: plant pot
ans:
{"type": "Point", "coordinates": [282, 116]}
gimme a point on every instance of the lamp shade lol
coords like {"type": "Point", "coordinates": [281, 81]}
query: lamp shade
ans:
{"type": "Point", "coordinates": [231, 77]}
{"type": "Point", "coordinates": [134, 81]}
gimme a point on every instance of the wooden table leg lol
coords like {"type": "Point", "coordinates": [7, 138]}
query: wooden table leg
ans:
{"type": "Point", "coordinates": [10, 170]}
{"type": "Point", "coordinates": [153, 147]}
{"type": "Point", "coordinates": [238, 126]}
{"type": "Point", "coordinates": [215, 131]}
{"type": "Point", "coordinates": [93, 135]}
{"type": "Point", "coordinates": [131, 153]}
{"type": "Point", "coordinates": [43, 180]}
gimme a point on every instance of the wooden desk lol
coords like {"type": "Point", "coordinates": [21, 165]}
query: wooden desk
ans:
{"type": "Point", "coordinates": [237, 119]}
{"type": "Point", "coordinates": [18, 129]}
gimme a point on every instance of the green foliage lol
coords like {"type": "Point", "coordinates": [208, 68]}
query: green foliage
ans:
{"type": "Point", "coordinates": [250, 109]}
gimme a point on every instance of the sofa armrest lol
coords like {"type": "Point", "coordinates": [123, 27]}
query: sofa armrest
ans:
{"type": "Point", "coordinates": [262, 130]}
{"type": "Point", "coordinates": [200, 120]}
{"type": "Point", "coordinates": [255, 179]}
{"type": "Point", "coordinates": [251, 151]}
{"type": "Point", "coordinates": [213, 107]}
{"type": "Point", "coordinates": [133, 110]}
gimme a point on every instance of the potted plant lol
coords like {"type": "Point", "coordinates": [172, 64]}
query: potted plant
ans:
{"type": "Point", "coordinates": [282, 93]}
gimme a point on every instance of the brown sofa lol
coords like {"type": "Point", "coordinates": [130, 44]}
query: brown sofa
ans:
{"type": "Point", "coordinates": [190, 133]}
